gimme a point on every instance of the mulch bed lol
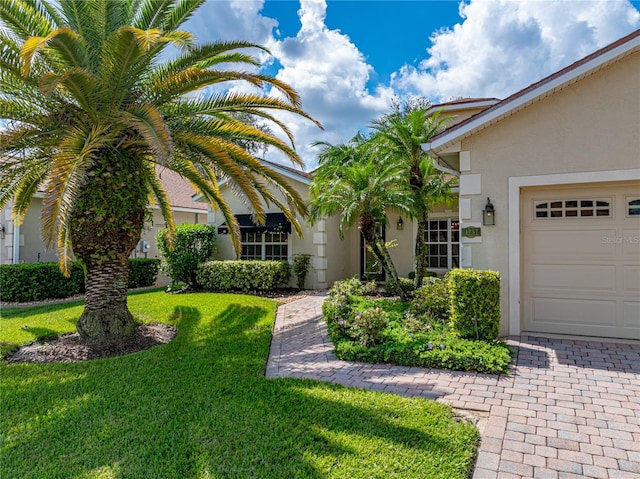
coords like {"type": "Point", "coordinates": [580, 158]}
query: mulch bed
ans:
{"type": "Point", "coordinates": [68, 348]}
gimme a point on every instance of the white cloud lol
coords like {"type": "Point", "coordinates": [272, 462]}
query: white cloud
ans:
{"type": "Point", "coordinates": [331, 75]}
{"type": "Point", "coordinates": [504, 45]}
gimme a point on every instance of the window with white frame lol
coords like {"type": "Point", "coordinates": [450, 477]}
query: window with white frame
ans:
{"type": "Point", "coordinates": [443, 243]}
{"type": "Point", "coordinates": [264, 245]}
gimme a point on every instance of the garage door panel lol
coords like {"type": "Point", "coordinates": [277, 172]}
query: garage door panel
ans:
{"type": "Point", "coordinates": [574, 277]}
{"type": "Point", "coordinates": [581, 275]}
{"type": "Point", "coordinates": [581, 242]}
{"type": "Point", "coordinates": [578, 313]}
{"type": "Point", "coordinates": [630, 242]}
{"type": "Point", "coordinates": [631, 279]}
{"type": "Point", "coordinates": [632, 316]}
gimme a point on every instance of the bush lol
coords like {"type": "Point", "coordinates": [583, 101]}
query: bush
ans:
{"type": "Point", "coordinates": [241, 275]}
{"type": "Point", "coordinates": [301, 266]}
{"type": "Point", "coordinates": [431, 301]}
{"type": "Point", "coordinates": [193, 245]}
{"type": "Point", "coordinates": [143, 272]}
{"type": "Point", "coordinates": [406, 284]}
{"type": "Point", "coordinates": [38, 281]}
{"type": "Point", "coordinates": [475, 303]}
{"type": "Point", "coordinates": [368, 325]}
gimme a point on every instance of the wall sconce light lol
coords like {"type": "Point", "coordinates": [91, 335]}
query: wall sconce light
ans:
{"type": "Point", "coordinates": [2, 230]}
{"type": "Point", "coordinates": [400, 224]}
{"type": "Point", "coordinates": [488, 214]}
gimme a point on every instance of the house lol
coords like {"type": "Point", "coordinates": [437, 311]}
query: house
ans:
{"type": "Point", "coordinates": [23, 243]}
{"type": "Point", "coordinates": [559, 163]}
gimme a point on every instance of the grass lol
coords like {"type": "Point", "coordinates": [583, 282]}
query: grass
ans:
{"type": "Point", "coordinates": [200, 407]}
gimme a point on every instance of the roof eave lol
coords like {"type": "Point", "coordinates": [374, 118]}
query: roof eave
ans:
{"type": "Point", "coordinates": [523, 98]}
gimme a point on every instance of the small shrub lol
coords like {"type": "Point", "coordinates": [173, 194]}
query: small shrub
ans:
{"type": "Point", "coordinates": [301, 266]}
{"type": "Point", "coordinates": [143, 272]}
{"type": "Point", "coordinates": [193, 245]}
{"type": "Point", "coordinates": [370, 288]}
{"type": "Point", "coordinates": [405, 283]}
{"type": "Point", "coordinates": [431, 301]}
{"type": "Point", "coordinates": [475, 303]}
{"type": "Point", "coordinates": [367, 326]}
{"type": "Point", "coordinates": [241, 275]}
{"type": "Point", "coordinates": [338, 307]}
{"type": "Point", "coordinates": [347, 287]}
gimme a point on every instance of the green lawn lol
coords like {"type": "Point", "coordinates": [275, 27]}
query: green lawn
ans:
{"type": "Point", "coordinates": [200, 407]}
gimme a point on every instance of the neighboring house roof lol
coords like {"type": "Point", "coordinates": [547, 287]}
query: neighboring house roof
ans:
{"type": "Point", "coordinates": [180, 191]}
{"type": "Point", "coordinates": [536, 91]}
{"type": "Point", "coordinates": [286, 171]}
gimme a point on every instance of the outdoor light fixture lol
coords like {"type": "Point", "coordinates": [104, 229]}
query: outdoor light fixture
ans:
{"type": "Point", "coordinates": [400, 224]}
{"type": "Point", "coordinates": [488, 214]}
{"type": "Point", "coordinates": [2, 230]}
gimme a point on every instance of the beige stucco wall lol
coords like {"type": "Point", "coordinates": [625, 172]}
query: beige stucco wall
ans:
{"type": "Point", "coordinates": [593, 125]}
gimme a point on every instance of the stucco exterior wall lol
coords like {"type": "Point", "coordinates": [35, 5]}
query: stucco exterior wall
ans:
{"type": "Point", "coordinates": [32, 248]}
{"type": "Point", "coordinates": [593, 125]}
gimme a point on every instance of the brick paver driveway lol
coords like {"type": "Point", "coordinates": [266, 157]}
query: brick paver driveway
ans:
{"type": "Point", "coordinates": [571, 409]}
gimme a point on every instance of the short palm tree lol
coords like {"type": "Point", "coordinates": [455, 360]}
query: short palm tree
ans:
{"type": "Point", "coordinates": [354, 181]}
{"type": "Point", "coordinates": [401, 135]}
{"type": "Point", "coordinates": [98, 96]}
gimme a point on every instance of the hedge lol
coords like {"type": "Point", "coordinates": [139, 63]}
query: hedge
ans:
{"type": "Point", "coordinates": [475, 303]}
{"type": "Point", "coordinates": [243, 275]}
{"type": "Point", "coordinates": [38, 281]}
{"type": "Point", "coordinates": [143, 272]}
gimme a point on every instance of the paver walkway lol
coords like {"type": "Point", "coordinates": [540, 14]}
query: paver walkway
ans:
{"type": "Point", "coordinates": [571, 409]}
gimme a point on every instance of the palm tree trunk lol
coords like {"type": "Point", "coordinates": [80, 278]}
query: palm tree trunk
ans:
{"type": "Point", "coordinates": [421, 250]}
{"type": "Point", "coordinates": [382, 254]}
{"type": "Point", "coordinates": [106, 319]}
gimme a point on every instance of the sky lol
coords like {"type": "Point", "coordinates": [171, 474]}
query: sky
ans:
{"type": "Point", "coordinates": [349, 59]}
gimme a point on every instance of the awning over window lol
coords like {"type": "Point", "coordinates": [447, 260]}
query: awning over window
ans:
{"type": "Point", "coordinates": [274, 223]}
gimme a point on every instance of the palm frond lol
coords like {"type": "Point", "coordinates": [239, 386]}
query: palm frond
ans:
{"type": "Point", "coordinates": [149, 123]}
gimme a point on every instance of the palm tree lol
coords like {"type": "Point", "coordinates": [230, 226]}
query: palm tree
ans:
{"type": "Point", "coordinates": [401, 135]}
{"type": "Point", "coordinates": [356, 181]}
{"type": "Point", "coordinates": [96, 103]}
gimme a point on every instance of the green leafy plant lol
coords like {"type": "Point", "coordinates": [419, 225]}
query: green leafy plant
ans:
{"type": "Point", "coordinates": [243, 275]}
{"type": "Point", "coordinates": [301, 266]}
{"type": "Point", "coordinates": [367, 326]}
{"type": "Point", "coordinates": [406, 285]}
{"type": "Point", "coordinates": [431, 301]}
{"type": "Point", "coordinates": [475, 303]}
{"type": "Point", "coordinates": [192, 245]}
{"type": "Point", "coordinates": [143, 272]}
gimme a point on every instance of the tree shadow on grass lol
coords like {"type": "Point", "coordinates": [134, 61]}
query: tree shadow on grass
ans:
{"type": "Point", "coordinates": [200, 406]}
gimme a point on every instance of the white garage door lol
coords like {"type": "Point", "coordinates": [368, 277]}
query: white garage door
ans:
{"type": "Point", "coordinates": [581, 260]}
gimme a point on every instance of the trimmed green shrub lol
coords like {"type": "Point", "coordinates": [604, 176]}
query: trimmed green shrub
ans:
{"type": "Point", "coordinates": [143, 272]}
{"type": "Point", "coordinates": [337, 309]}
{"type": "Point", "coordinates": [39, 281]}
{"type": "Point", "coordinates": [475, 303]}
{"type": "Point", "coordinates": [301, 266]}
{"type": "Point", "coordinates": [431, 301]}
{"type": "Point", "coordinates": [193, 245]}
{"type": "Point", "coordinates": [406, 284]}
{"type": "Point", "coordinates": [241, 275]}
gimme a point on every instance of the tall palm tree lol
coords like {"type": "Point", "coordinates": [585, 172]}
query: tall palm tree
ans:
{"type": "Point", "coordinates": [100, 93]}
{"type": "Point", "coordinates": [356, 181]}
{"type": "Point", "coordinates": [401, 135]}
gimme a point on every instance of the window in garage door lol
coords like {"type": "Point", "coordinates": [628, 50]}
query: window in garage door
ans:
{"type": "Point", "coordinates": [573, 208]}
